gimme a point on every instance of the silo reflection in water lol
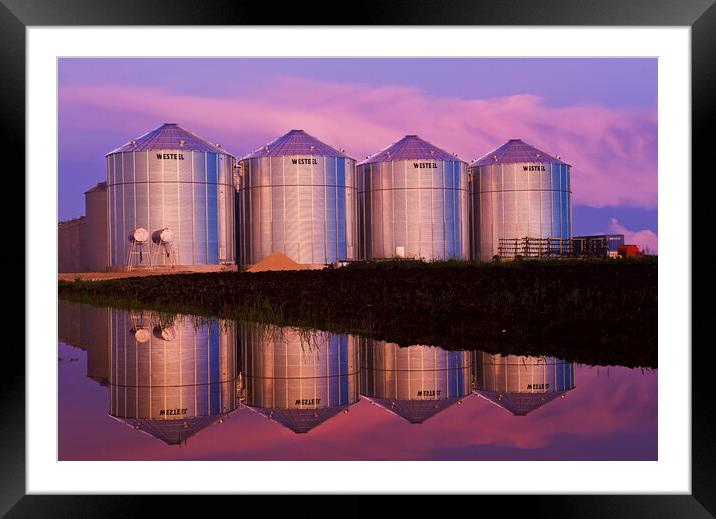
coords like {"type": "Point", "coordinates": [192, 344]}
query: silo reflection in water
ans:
{"type": "Point", "coordinates": [87, 327]}
{"type": "Point", "coordinates": [414, 382]}
{"type": "Point", "coordinates": [171, 377]}
{"type": "Point", "coordinates": [521, 384]}
{"type": "Point", "coordinates": [298, 378]}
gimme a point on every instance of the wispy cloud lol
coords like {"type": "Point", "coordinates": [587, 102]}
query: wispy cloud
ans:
{"type": "Point", "coordinates": [646, 239]}
{"type": "Point", "coordinates": [613, 151]}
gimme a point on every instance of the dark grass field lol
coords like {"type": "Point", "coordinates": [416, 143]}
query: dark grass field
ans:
{"type": "Point", "coordinates": [595, 312]}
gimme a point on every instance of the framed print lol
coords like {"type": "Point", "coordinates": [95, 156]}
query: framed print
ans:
{"type": "Point", "coordinates": [421, 259]}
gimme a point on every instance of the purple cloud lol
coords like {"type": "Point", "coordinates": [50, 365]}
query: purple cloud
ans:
{"type": "Point", "coordinates": [613, 150]}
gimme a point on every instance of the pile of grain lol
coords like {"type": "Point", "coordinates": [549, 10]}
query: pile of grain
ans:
{"type": "Point", "coordinates": [276, 261]}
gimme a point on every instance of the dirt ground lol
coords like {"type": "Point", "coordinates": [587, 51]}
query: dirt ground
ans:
{"type": "Point", "coordinates": [98, 276]}
{"type": "Point", "coordinates": [275, 261]}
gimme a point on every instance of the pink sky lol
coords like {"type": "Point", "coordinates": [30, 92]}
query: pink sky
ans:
{"type": "Point", "coordinates": [598, 115]}
{"type": "Point", "coordinates": [611, 150]}
{"type": "Point", "coordinates": [611, 414]}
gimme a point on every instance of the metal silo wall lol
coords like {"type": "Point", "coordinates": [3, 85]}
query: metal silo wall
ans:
{"type": "Point", "coordinates": [95, 234]}
{"type": "Point", "coordinates": [509, 202]}
{"type": "Point", "coordinates": [194, 197]}
{"type": "Point", "coordinates": [195, 370]}
{"type": "Point", "coordinates": [305, 211]}
{"type": "Point", "coordinates": [522, 374]}
{"type": "Point", "coordinates": [95, 331]}
{"type": "Point", "coordinates": [423, 210]}
{"type": "Point", "coordinates": [287, 369]}
{"type": "Point", "coordinates": [389, 371]}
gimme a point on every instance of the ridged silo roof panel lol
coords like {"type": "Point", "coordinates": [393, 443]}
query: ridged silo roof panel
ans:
{"type": "Point", "coordinates": [300, 420]}
{"type": "Point", "coordinates": [170, 136]}
{"type": "Point", "coordinates": [414, 411]}
{"type": "Point", "coordinates": [515, 151]}
{"type": "Point", "coordinates": [171, 432]}
{"type": "Point", "coordinates": [520, 404]}
{"type": "Point", "coordinates": [295, 142]}
{"type": "Point", "coordinates": [101, 186]}
{"type": "Point", "coordinates": [410, 147]}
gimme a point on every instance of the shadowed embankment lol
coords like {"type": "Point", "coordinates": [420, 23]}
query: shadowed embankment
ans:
{"type": "Point", "coordinates": [594, 312]}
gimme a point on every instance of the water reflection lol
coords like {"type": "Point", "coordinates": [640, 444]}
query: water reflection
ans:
{"type": "Point", "coordinates": [299, 379]}
{"type": "Point", "coordinates": [87, 328]}
{"type": "Point", "coordinates": [415, 382]}
{"type": "Point", "coordinates": [521, 384]}
{"type": "Point", "coordinates": [171, 376]}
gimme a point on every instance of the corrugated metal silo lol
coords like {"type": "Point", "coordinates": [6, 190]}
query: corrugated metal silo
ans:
{"type": "Point", "coordinates": [172, 378]}
{"type": "Point", "coordinates": [518, 191]}
{"type": "Point", "coordinates": [95, 253]}
{"type": "Point", "coordinates": [95, 333]}
{"type": "Point", "coordinates": [297, 196]}
{"type": "Point", "coordinates": [298, 379]}
{"type": "Point", "coordinates": [171, 178]}
{"type": "Point", "coordinates": [414, 382]}
{"type": "Point", "coordinates": [521, 384]}
{"type": "Point", "coordinates": [413, 200]}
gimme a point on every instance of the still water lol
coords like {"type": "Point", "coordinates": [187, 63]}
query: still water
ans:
{"type": "Point", "coordinates": [145, 386]}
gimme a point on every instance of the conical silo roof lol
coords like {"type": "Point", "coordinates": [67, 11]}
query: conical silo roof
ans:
{"type": "Point", "coordinates": [300, 420]}
{"type": "Point", "coordinates": [410, 147]}
{"type": "Point", "coordinates": [515, 151]}
{"type": "Point", "coordinates": [101, 186]}
{"type": "Point", "coordinates": [171, 432]}
{"type": "Point", "coordinates": [520, 404]}
{"type": "Point", "coordinates": [170, 136]}
{"type": "Point", "coordinates": [102, 381]}
{"type": "Point", "coordinates": [414, 411]}
{"type": "Point", "coordinates": [295, 142]}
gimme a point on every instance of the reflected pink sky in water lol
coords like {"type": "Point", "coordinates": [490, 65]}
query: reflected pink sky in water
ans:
{"type": "Point", "coordinates": [610, 415]}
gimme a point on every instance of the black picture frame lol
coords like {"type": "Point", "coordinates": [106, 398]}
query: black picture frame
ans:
{"type": "Point", "coordinates": [699, 15]}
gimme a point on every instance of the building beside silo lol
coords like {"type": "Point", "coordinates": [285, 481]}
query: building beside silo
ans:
{"type": "Point", "coordinates": [69, 323]}
{"type": "Point", "coordinates": [598, 245]}
{"type": "Point", "coordinates": [170, 378]}
{"type": "Point", "coordinates": [520, 384]}
{"type": "Point", "coordinates": [518, 191]}
{"type": "Point", "coordinates": [413, 202]}
{"type": "Point", "coordinates": [94, 244]}
{"type": "Point", "coordinates": [170, 178]}
{"type": "Point", "coordinates": [298, 379]}
{"type": "Point", "coordinates": [69, 243]}
{"type": "Point", "coordinates": [82, 242]}
{"type": "Point", "coordinates": [297, 196]}
{"type": "Point", "coordinates": [414, 382]}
